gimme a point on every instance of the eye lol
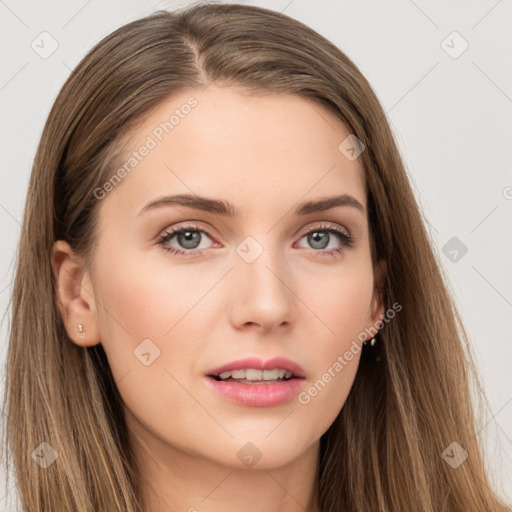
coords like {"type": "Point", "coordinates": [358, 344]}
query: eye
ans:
{"type": "Point", "coordinates": [321, 237]}
{"type": "Point", "coordinates": [189, 239]}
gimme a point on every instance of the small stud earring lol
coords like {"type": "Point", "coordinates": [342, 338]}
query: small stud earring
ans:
{"type": "Point", "coordinates": [372, 343]}
{"type": "Point", "coordinates": [80, 329]}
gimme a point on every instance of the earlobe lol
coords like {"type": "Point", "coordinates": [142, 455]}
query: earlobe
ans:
{"type": "Point", "coordinates": [380, 276]}
{"type": "Point", "coordinates": [74, 296]}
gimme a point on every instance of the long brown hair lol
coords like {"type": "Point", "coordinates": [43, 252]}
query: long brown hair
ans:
{"type": "Point", "coordinates": [407, 405]}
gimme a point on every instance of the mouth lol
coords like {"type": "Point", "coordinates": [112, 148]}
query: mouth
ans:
{"type": "Point", "coordinates": [251, 382]}
{"type": "Point", "coordinates": [254, 371]}
{"type": "Point", "coordinates": [255, 376]}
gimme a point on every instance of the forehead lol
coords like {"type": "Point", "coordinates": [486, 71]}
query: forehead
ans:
{"type": "Point", "coordinates": [249, 149]}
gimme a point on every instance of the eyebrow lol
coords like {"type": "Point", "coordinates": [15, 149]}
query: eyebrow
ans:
{"type": "Point", "coordinates": [227, 209]}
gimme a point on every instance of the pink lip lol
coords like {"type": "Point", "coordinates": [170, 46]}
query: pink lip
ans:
{"type": "Point", "coordinates": [258, 395]}
{"type": "Point", "coordinates": [258, 364]}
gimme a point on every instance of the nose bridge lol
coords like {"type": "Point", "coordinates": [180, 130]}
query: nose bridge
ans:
{"type": "Point", "coordinates": [263, 292]}
{"type": "Point", "coordinates": [260, 262]}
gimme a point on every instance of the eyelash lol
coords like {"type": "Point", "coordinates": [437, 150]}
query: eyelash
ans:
{"type": "Point", "coordinates": [346, 240]}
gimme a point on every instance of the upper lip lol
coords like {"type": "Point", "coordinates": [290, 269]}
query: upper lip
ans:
{"type": "Point", "coordinates": [258, 364]}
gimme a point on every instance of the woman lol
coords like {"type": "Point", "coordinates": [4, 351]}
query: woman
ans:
{"type": "Point", "coordinates": [226, 297]}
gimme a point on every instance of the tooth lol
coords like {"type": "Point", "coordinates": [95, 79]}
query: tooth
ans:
{"type": "Point", "coordinates": [252, 374]}
{"type": "Point", "coordinates": [270, 374]}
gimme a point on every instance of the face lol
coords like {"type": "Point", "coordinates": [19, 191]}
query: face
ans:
{"type": "Point", "coordinates": [264, 277]}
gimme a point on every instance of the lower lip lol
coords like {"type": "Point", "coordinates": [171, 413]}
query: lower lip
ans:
{"type": "Point", "coordinates": [257, 395]}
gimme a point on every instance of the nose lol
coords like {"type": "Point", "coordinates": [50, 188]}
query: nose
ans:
{"type": "Point", "coordinates": [262, 296]}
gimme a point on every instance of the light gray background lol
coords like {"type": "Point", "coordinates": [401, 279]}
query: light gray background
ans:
{"type": "Point", "coordinates": [451, 116]}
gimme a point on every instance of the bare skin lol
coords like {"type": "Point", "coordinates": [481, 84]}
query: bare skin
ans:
{"type": "Point", "coordinates": [298, 299]}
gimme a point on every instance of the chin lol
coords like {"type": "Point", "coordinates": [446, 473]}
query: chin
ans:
{"type": "Point", "coordinates": [260, 454]}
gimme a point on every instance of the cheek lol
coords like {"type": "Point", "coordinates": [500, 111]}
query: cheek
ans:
{"type": "Point", "coordinates": [147, 296]}
{"type": "Point", "coordinates": [154, 326]}
{"type": "Point", "coordinates": [156, 318]}
{"type": "Point", "coordinates": [340, 299]}
{"type": "Point", "coordinates": [139, 309]}
{"type": "Point", "coordinates": [341, 303]}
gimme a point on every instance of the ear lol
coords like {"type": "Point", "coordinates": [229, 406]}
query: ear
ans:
{"type": "Point", "coordinates": [74, 295]}
{"type": "Point", "coordinates": [377, 307]}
